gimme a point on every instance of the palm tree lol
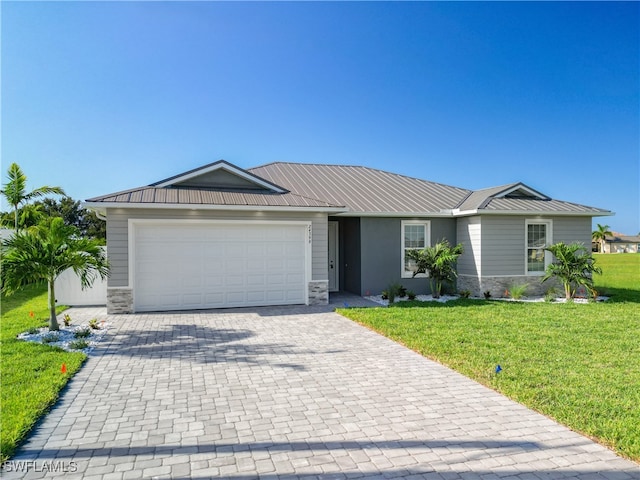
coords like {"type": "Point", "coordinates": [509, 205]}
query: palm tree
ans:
{"type": "Point", "coordinates": [574, 266]}
{"type": "Point", "coordinates": [42, 252]}
{"type": "Point", "coordinates": [15, 191]}
{"type": "Point", "coordinates": [438, 262]}
{"type": "Point", "coordinates": [600, 235]}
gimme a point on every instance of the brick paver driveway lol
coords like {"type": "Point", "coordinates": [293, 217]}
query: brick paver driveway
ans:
{"type": "Point", "coordinates": [290, 393]}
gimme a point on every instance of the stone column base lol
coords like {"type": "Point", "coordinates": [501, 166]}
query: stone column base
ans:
{"type": "Point", "coordinates": [498, 285]}
{"type": "Point", "coordinates": [319, 292]}
{"type": "Point", "coordinates": [119, 300]}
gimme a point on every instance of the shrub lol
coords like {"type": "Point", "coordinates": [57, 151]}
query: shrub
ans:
{"type": "Point", "coordinates": [437, 261]}
{"type": "Point", "coordinates": [50, 337]}
{"type": "Point", "coordinates": [551, 295]}
{"type": "Point", "coordinates": [465, 293]}
{"type": "Point", "coordinates": [574, 266]}
{"type": "Point", "coordinates": [93, 323]}
{"type": "Point", "coordinates": [487, 294]}
{"type": "Point", "coordinates": [402, 291]}
{"type": "Point", "coordinates": [393, 292]}
{"type": "Point", "coordinates": [517, 291]}
{"type": "Point", "coordinates": [82, 333]}
{"type": "Point", "coordinates": [66, 319]}
{"type": "Point", "coordinates": [411, 295]}
{"type": "Point", "coordinates": [78, 345]}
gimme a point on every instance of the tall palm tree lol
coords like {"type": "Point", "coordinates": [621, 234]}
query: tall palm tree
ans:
{"type": "Point", "coordinates": [15, 191]}
{"type": "Point", "coordinates": [42, 252]}
{"type": "Point", "coordinates": [600, 235]}
{"type": "Point", "coordinates": [574, 266]}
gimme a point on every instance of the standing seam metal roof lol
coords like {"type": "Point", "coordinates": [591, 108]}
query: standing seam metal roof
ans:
{"type": "Point", "coordinates": [363, 189]}
{"type": "Point", "coordinates": [196, 196]}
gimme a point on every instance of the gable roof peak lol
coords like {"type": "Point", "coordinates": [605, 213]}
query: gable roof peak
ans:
{"type": "Point", "coordinates": [220, 167]}
{"type": "Point", "coordinates": [520, 190]}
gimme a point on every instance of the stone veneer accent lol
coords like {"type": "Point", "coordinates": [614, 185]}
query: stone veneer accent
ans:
{"type": "Point", "coordinates": [498, 285]}
{"type": "Point", "coordinates": [119, 300]}
{"type": "Point", "coordinates": [319, 292]}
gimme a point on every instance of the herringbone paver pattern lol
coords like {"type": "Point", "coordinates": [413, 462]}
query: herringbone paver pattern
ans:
{"type": "Point", "coordinates": [295, 393]}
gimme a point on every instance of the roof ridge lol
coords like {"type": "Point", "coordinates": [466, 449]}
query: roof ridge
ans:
{"type": "Point", "coordinates": [364, 167]}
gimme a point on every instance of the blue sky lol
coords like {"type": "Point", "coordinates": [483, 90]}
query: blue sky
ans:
{"type": "Point", "coordinates": [101, 97]}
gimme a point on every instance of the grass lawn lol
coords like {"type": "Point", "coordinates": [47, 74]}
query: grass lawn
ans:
{"type": "Point", "coordinates": [30, 374]}
{"type": "Point", "coordinates": [576, 363]}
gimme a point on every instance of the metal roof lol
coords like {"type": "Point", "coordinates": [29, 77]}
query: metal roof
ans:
{"type": "Point", "coordinates": [535, 205]}
{"type": "Point", "coordinates": [364, 190]}
{"type": "Point", "coordinates": [518, 197]}
{"type": "Point", "coordinates": [198, 196]}
{"type": "Point", "coordinates": [341, 189]}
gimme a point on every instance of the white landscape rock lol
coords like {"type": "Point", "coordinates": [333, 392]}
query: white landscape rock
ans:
{"type": "Point", "coordinates": [447, 298]}
{"type": "Point", "coordinates": [66, 335]}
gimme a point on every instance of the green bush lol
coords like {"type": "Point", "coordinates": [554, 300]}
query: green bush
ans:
{"type": "Point", "coordinates": [78, 345]}
{"type": "Point", "coordinates": [82, 333]}
{"type": "Point", "coordinates": [50, 337]}
{"type": "Point", "coordinates": [394, 291]}
{"type": "Point", "coordinates": [517, 291]}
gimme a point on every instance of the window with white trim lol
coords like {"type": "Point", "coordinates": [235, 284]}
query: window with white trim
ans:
{"type": "Point", "coordinates": [415, 236]}
{"type": "Point", "coordinates": [538, 237]}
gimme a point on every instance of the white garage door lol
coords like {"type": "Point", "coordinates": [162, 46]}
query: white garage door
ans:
{"type": "Point", "coordinates": [182, 266]}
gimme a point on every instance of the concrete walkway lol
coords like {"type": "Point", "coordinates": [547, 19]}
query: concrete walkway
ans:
{"type": "Point", "coordinates": [292, 392]}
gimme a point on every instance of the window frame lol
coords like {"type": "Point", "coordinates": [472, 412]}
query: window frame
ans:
{"type": "Point", "coordinates": [548, 257]}
{"type": "Point", "coordinates": [426, 224]}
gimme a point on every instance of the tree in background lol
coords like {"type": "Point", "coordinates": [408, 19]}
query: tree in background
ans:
{"type": "Point", "coordinates": [71, 211]}
{"type": "Point", "coordinates": [438, 262]}
{"type": "Point", "coordinates": [42, 252]}
{"type": "Point", "coordinates": [600, 235]}
{"type": "Point", "coordinates": [15, 192]}
{"type": "Point", "coordinates": [574, 266]}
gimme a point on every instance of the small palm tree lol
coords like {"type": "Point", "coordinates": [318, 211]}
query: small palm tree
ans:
{"type": "Point", "coordinates": [574, 266]}
{"type": "Point", "coordinates": [438, 262]}
{"type": "Point", "coordinates": [42, 252]}
{"type": "Point", "coordinates": [15, 191]}
{"type": "Point", "coordinates": [600, 235]}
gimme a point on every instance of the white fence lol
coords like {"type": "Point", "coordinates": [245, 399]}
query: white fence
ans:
{"type": "Point", "coordinates": [69, 291]}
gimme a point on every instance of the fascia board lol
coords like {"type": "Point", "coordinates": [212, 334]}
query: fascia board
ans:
{"type": "Point", "coordinates": [467, 213]}
{"type": "Point", "coordinates": [103, 206]}
{"type": "Point", "coordinates": [396, 214]}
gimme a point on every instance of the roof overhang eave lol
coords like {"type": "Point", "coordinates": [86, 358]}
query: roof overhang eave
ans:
{"type": "Point", "coordinates": [349, 213]}
{"type": "Point", "coordinates": [103, 206]}
{"type": "Point", "coordinates": [469, 213]}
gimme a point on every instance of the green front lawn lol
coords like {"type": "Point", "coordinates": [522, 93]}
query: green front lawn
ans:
{"type": "Point", "coordinates": [576, 363]}
{"type": "Point", "coordinates": [30, 373]}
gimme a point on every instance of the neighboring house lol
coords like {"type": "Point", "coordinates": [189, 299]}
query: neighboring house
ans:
{"type": "Point", "coordinates": [620, 243]}
{"type": "Point", "coordinates": [288, 233]}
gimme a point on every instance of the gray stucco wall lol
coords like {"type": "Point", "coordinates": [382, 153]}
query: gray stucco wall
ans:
{"type": "Point", "coordinates": [382, 252]}
{"type": "Point", "coordinates": [118, 234]}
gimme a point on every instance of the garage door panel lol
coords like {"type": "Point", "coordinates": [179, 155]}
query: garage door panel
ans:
{"type": "Point", "coordinates": [187, 266]}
